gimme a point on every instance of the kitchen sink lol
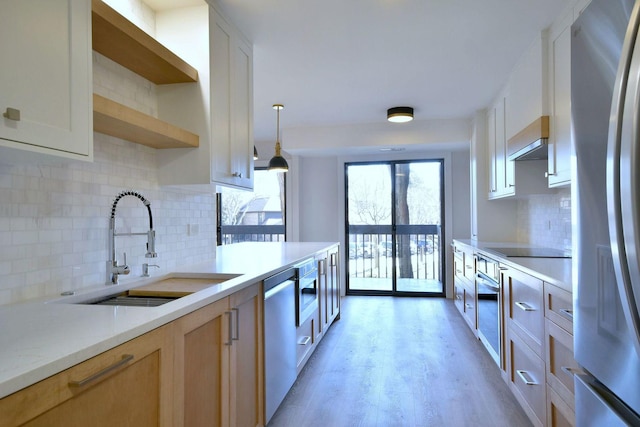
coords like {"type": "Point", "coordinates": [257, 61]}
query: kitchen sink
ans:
{"type": "Point", "coordinates": [151, 294]}
{"type": "Point", "coordinates": [124, 299]}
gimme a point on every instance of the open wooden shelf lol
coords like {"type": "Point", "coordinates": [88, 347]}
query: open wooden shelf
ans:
{"type": "Point", "coordinates": [112, 118]}
{"type": "Point", "coordinates": [120, 40]}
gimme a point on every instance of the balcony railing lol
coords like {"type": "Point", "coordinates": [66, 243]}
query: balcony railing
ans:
{"type": "Point", "coordinates": [252, 233]}
{"type": "Point", "coordinates": [415, 254]}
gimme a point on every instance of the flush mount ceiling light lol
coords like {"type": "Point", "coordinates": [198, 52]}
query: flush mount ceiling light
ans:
{"type": "Point", "coordinates": [400, 114]}
{"type": "Point", "coordinates": [277, 162]}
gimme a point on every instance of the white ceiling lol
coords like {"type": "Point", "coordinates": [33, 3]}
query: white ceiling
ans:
{"type": "Point", "coordinates": [339, 62]}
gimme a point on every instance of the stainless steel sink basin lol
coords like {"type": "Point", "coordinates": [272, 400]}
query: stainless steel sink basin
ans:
{"type": "Point", "coordinates": [134, 301]}
{"type": "Point", "coordinates": [152, 294]}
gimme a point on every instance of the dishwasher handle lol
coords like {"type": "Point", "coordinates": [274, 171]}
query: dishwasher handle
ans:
{"type": "Point", "coordinates": [271, 292]}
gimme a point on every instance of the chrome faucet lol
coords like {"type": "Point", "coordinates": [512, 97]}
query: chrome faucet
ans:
{"type": "Point", "coordinates": [113, 269]}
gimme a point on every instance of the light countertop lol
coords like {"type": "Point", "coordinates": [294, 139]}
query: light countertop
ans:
{"type": "Point", "coordinates": [556, 271]}
{"type": "Point", "coordinates": [43, 337]}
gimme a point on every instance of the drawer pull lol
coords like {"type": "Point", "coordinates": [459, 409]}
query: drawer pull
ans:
{"type": "Point", "coordinates": [304, 340]}
{"type": "Point", "coordinates": [567, 313]}
{"type": "Point", "coordinates": [237, 337]}
{"type": "Point", "coordinates": [126, 358]}
{"type": "Point", "coordinates": [458, 271]}
{"type": "Point", "coordinates": [230, 326]}
{"type": "Point", "coordinates": [468, 305]}
{"type": "Point", "coordinates": [524, 306]}
{"type": "Point", "coordinates": [525, 377]}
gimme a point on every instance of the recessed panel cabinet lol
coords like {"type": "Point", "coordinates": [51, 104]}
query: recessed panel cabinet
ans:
{"type": "Point", "coordinates": [219, 107]}
{"type": "Point", "coordinates": [129, 385]}
{"type": "Point", "coordinates": [45, 77]}
{"type": "Point", "coordinates": [559, 155]}
{"type": "Point", "coordinates": [217, 363]}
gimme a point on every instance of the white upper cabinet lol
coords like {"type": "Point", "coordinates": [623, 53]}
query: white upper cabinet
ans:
{"type": "Point", "coordinates": [559, 150]}
{"type": "Point", "coordinates": [232, 96]}
{"type": "Point", "coordinates": [501, 179]}
{"type": "Point", "coordinates": [219, 107]}
{"type": "Point", "coordinates": [45, 77]}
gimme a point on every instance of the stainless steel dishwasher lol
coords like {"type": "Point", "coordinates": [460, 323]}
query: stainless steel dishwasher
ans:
{"type": "Point", "coordinates": [279, 338]}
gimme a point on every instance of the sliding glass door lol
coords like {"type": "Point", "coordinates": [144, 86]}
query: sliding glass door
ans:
{"type": "Point", "coordinates": [393, 226]}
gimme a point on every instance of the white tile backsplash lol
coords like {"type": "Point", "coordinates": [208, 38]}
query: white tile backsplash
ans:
{"type": "Point", "coordinates": [54, 221]}
{"type": "Point", "coordinates": [545, 220]}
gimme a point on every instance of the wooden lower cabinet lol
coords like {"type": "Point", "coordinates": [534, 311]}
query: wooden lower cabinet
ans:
{"type": "Point", "coordinates": [333, 285]}
{"type": "Point", "coordinates": [203, 369]}
{"type": "Point", "coordinates": [129, 385]}
{"type": "Point", "coordinates": [560, 363]}
{"type": "Point", "coordinates": [559, 413]}
{"type": "Point", "coordinates": [202, 356]}
{"type": "Point", "coordinates": [526, 375]}
{"type": "Point", "coordinates": [246, 361]}
{"type": "Point", "coordinates": [218, 363]}
{"type": "Point", "coordinates": [328, 288]}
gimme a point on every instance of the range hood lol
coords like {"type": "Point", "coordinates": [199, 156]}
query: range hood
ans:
{"type": "Point", "coordinates": [531, 142]}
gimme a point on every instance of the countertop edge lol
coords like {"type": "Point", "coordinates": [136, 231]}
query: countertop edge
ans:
{"type": "Point", "coordinates": [143, 320]}
{"type": "Point", "coordinates": [559, 276]}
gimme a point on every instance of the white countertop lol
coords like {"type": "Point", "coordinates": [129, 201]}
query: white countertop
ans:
{"type": "Point", "coordinates": [43, 337]}
{"type": "Point", "coordinates": [556, 271]}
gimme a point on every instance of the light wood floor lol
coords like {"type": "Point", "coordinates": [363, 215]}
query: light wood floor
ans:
{"type": "Point", "coordinates": [399, 362]}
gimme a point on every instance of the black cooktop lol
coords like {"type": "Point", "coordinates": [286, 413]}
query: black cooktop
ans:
{"type": "Point", "coordinates": [530, 252]}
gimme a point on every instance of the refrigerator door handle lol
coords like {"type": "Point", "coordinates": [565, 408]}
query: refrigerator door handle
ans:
{"type": "Point", "coordinates": [623, 161]}
{"type": "Point", "coordinates": [595, 405]}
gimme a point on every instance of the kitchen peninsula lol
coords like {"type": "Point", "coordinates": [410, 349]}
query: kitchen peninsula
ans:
{"type": "Point", "coordinates": [55, 334]}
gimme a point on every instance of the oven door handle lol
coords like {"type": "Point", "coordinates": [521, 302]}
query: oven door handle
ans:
{"type": "Point", "coordinates": [487, 282]}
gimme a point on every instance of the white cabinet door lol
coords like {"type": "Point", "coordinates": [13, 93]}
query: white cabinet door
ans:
{"type": "Point", "coordinates": [45, 48]}
{"type": "Point", "coordinates": [501, 179]}
{"type": "Point", "coordinates": [559, 161]}
{"type": "Point", "coordinates": [242, 103]}
{"type": "Point", "coordinates": [231, 105]}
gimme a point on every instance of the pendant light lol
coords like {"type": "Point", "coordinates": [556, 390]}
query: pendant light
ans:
{"type": "Point", "coordinates": [255, 153]}
{"type": "Point", "coordinates": [400, 114]}
{"type": "Point", "coordinates": [277, 162]}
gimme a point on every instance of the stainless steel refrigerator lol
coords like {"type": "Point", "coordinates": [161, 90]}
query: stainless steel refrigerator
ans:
{"type": "Point", "coordinates": [605, 111]}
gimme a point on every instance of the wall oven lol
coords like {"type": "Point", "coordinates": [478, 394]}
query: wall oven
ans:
{"type": "Point", "coordinates": [306, 290]}
{"type": "Point", "coordinates": [489, 307]}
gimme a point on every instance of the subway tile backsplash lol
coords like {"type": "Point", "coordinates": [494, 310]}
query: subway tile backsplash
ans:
{"type": "Point", "coordinates": [54, 221]}
{"type": "Point", "coordinates": [545, 220]}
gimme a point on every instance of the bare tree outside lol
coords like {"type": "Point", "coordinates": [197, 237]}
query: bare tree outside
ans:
{"type": "Point", "coordinates": [403, 177]}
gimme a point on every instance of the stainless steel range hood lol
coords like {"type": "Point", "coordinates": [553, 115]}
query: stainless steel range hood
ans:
{"type": "Point", "coordinates": [531, 142]}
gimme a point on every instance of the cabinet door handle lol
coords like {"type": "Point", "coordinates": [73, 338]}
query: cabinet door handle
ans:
{"type": "Point", "coordinates": [525, 377]}
{"type": "Point", "coordinates": [12, 114]}
{"type": "Point", "coordinates": [524, 306]}
{"type": "Point", "coordinates": [333, 257]}
{"type": "Point", "coordinates": [237, 337]}
{"type": "Point", "coordinates": [126, 358]}
{"type": "Point", "coordinates": [237, 174]}
{"type": "Point", "coordinates": [468, 305]}
{"type": "Point", "coordinates": [230, 328]}
{"type": "Point", "coordinates": [548, 174]}
{"type": "Point", "coordinates": [567, 313]}
{"type": "Point", "coordinates": [304, 340]}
